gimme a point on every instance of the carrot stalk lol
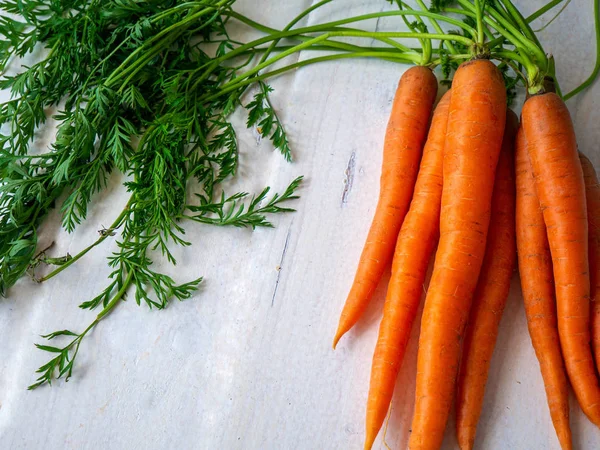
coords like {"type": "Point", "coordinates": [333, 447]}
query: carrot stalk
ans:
{"type": "Point", "coordinates": [404, 140]}
{"type": "Point", "coordinates": [592, 194]}
{"type": "Point", "coordinates": [490, 295]}
{"type": "Point", "coordinates": [561, 190]}
{"type": "Point", "coordinates": [476, 123]}
{"type": "Point", "coordinates": [416, 242]}
{"type": "Point", "coordinates": [537, 284]}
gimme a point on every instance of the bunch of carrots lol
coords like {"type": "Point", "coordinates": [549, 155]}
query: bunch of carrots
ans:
{"type": "Point", "coordinates": [489, 190]}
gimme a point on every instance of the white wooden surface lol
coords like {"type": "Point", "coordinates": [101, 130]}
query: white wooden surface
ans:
{"type": "Point", "coordinates": [247, 363]}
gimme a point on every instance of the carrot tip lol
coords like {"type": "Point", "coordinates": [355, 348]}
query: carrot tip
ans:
{"type": "Point", "coordinates": [338, 335]}
{"type": "Point", "coordinates": [336, 340]}
{"type": "Point", "coordinates": [369, 440]}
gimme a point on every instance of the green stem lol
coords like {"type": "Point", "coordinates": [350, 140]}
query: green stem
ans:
{"type": "Point", "coordinates": [302, 37]}
{"type": "Point", "coordinates": [377, 15]}
{"type": "Point", "coordinates": [495, 42]}
{"type": "Point", "coordinates": [479, 18]}
{"type": "Point", "coordinates": [113, 301]}
{"type": "Point", "coordinates": [294, 21]}
{"type": "Point", "coordinates": [509, 54]}
{"type": "Point", "coordinates": [543, 10]}
{"type": "Point", "coordinates": [300, 47]}
{"type": "Point", "coordinates": [511, 64]}
{"type": "Point", "coordinates": [244, 81]}
{"type": "Point", "coordinates": [116, 224]}
{"type": "Point", "coordinates": [469, 11]}
{"type": "Point", "coordinates": [596, 70]}
{"type": "Point", "coordinates": [107, 309]}
{"type": "Point", "coordinates": [521, 21]}
{"type": "Point", "coordinates": [554, 18]}
{"type": "Point", "coordinates": [516, 37]}
{"type": "Point", "coordinates": [552, 73]}
{"type": "Point", "coordinates": [313, 29]}
{"type": "Point", "coordinates": [438, 28]}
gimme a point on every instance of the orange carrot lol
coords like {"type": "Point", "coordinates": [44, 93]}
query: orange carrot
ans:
{"type": "Point", "coordinates": [537, 284]}
{"type": "Point", "coordinates": [404, 139]}
{"type": "Point", "coordinates": [592, 194]}
{"type": "Point", "coordinates": [490, 295]}
{"type": "Point", "coordinates": [476, 122]}
{"type": "Point", "coordinates": [416, 241]}
{"type": "Point", "coordinates": [561, 189]}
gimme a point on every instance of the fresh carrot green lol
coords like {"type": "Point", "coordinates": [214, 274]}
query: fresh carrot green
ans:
{"type": "Point", "coordinates": [476, 123]}
{"type": "Point", "coordinates": [561, 189]}
{"type": "Point", "coordinates": [537, 284]}
{"type": "Point", "coordinates": [490, 295]}
{"type": "Point", "coordinates": [416, 242]}
{"type": "Point", "coordinates": [403, 146]}
{"type": "Point", "coordinates": [592, 195]}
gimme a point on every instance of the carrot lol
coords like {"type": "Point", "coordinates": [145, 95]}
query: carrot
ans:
{"type": "Point", "coordinates": [490, 295]}
{"type": "Point", "coordinates": [560, 187]}
{"type": "Point", "coordinates": [476, 122]}
{"type": "Point", "coordinates": [404, 139]}
{"type": "Point", "coordinates": [592, 194]}
{"type": "Point", "coordinates": [537, 284]}
{"type": "Point", "coordinates": [416, 241]}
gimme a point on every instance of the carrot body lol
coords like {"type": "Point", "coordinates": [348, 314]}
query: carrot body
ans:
{"type": "Point", "coordinates": [537, 284]}
{"type": "Point", "coordinates": [490, 295]}
{"type": "Point", "coordinates": [416, 241]}
{"type": "Point", "coordinates": [403, 146]}
{"type": "Point", "coordinates": [476, 122]}
{"type": "Point", "coordinates": [561, 190]}
{"type": "Point", "coordinates": [592, 194]}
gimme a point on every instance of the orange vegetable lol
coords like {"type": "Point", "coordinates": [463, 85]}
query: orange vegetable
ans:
{"type": "Point", "coordinates": [592, 194]}
{"type": "Point", "coordinates": [475, 128]}
{"type": "Point", "coordinates": [416, 242]}
{"type": "Point", "coordinates": [404, 140]}
{"type": "Point", "coordinates": [561, 190]}
{"type": "Point", "coordinates": [537, 284]}
{"type": "Point", "coordinates": [491, 293]}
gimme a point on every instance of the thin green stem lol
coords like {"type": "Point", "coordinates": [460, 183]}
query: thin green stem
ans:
{"type": "Point", "coordinates": [552, 73]}
{"type": "Point", "coordinates": [208, 68]}
{"type": "Point", "coordinates": [543, 10]}
{"type": "Point", "coordinates": [244, 81]}
{"type": "Point", "coordinates": [302, 46]}
{"type": "Point", "coordinates": [512, 65]}
{"type": "Point", "coordinates": [113, 301]}
{"type": "Point", "coordinates": [596, 70]}
{"type": "Point", "coordinates": [413, 26]}
{"type": "Point", "coordinates": [479, 18]}
{"type": "Point", "coordinates": [404, 12]}
{"type": "Point", "coordinates": [294, 21]}
{"type": "Point", "coordinates": [469, 11]}
{"type": "Point", "coordinates": [521, 21]}
{"type": "Point", "coordinates": [302, 37]}
{"type": "Point", "coordinates": [438, 28]}
{"type": "Point", "coordinates": [554, 18]}
{"type": "Point", "coordinates": [496, 42]}
{"type": "Point", "coordinates": [516, 37]}
{"type": "Point", "coordinates": [116, 224]}
{"type": "Point", "coordinates": [503, 55]}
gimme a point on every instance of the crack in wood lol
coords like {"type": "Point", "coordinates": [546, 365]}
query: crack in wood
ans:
{"type": "Point", "coordinates": [349, 180]}
{"type": "Point", "coordinates": [279, 268]}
